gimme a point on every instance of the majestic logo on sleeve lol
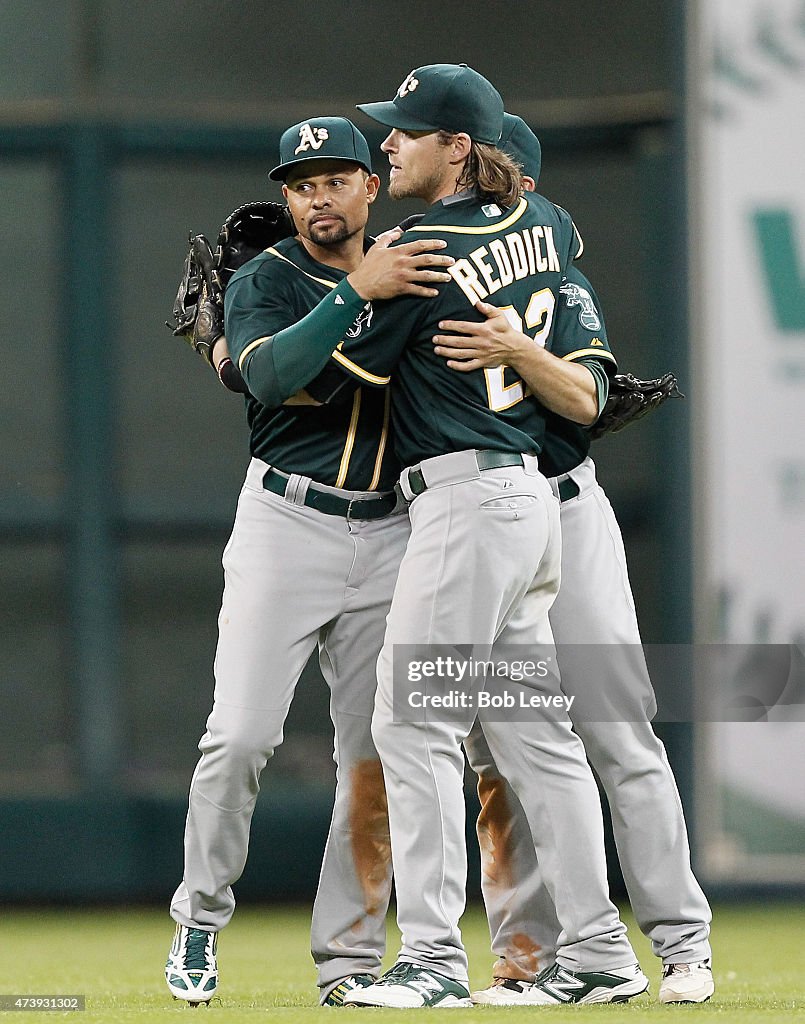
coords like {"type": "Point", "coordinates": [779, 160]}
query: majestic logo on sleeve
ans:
{"type": "Point", "coordinates": [408, 85]}
{"type": "Point", "coordinates": [578, 296]}
{"type": "Point", "coordinates": [311, 138]}
{"type": "Point", "coordinates": [364, 320]}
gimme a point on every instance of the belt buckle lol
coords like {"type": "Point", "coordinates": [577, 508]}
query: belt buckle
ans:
{"type": "Point", "coordinates": [362, 503]}
{"type": "Point", "coordinates": [370, 505]}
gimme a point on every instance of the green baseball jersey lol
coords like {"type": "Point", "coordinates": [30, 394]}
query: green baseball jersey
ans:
{"type": "Point", "coordinates": [344, 443]}
{"type": "Point", "coordinates": [579, 335]}
{"type": "Point", "coordinates": [513, 258]}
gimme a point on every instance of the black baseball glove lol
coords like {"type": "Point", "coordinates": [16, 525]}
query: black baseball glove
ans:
{"type": "Point", "coordinates": [199, 307]}
{"type": "Point", "coordinates": [246, 232]}
{"type": "Point", "coordinates": [630, 399]}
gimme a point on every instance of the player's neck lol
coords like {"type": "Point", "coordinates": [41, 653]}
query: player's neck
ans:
{"type": "Point", "coordinates": [346, 255]}
{"type": "Point", "coordinates": [447, 187]}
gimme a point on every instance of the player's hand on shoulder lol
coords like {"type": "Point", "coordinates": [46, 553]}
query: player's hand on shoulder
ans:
{"type": "Point", "coordinates": [412, 268]}
{"type": "Point", "coordinates": [395, 234]}
{"type": "Point", "coordinates": [472, 345]}
{"type": "Point", "coordinates": [385, 238]}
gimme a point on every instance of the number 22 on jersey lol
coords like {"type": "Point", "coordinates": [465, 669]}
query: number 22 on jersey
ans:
{"type": "Point", "coordinates": [538, 313]}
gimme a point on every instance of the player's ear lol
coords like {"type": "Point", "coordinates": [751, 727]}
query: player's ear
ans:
{"type": "Point", "coordinates": [529, 184]}
{"type": "Point", "coordinates": [461, 145]}
{"type": "Point", "coordinates": [372, 184]}
{"type": "Point", "coordinates": [284, 190]}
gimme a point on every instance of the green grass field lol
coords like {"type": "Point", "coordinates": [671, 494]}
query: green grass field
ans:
{"type": "Point", "coordinates": [115, 959]}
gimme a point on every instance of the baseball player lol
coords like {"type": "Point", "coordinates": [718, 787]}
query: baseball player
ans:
{"type": "Point", "coordinates": [594, 606]}
{"type": "Point", "coordinates": [311, 562]}
{"type": "Point", "coordinates": [482, 564]}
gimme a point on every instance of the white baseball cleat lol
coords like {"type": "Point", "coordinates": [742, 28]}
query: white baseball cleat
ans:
{"type": "Point", "coordinates": [557, 985]}
{"type": "Point", "coordinates": [192, 971]}
{"type": "Point", "coordinates": [407, 986]}
{"type": "Point", "coordinates": [335, 997]}
{"type": "Point", "coordinates": [687, 983]}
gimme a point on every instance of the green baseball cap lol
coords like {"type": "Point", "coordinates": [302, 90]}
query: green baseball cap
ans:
{"type": "Point", "coordinates": [321, 138]}
{"type": "Point", "coordinates": [446, 97]}
{"type": "Point", "coordinates": [522, 144]}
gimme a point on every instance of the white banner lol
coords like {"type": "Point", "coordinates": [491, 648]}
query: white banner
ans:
{"type": "Point", "coordinates": [747, 232]}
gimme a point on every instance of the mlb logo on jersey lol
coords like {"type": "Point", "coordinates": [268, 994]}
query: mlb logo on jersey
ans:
{"type": "Point", "coordinates": [311, 138]}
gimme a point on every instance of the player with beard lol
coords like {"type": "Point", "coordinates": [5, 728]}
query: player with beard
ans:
{"type": "Point", "coordinates": [482, 565]}
{"type": "Point", "coordinates": [311, 563]}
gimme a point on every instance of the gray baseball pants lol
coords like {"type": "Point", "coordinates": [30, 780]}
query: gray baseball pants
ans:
{"type": "Point", "coordinates": [295, 579]}
{"type": "Point", "coordinates": [595, 606]}
{"type": "Point", "coordinates": [482, 568]}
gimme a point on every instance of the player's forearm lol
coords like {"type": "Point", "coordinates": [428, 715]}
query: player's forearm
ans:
{"type": "Point", "coordinates": [278, 366]}
{"type": "Point", "coordinates": [219, 351]}
{"type": "Point", "coordinates": [231, 377]}
{"type": "Point", "coordinates": [568, 389]}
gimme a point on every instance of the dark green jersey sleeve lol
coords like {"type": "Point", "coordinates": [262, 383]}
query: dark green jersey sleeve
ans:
{"type": "Point", "coordinates": [278, 352]}
{"type": "Point", "coordinates": [579, 335]}
{"type": "Point", "coordinates": [579, 328]}
{"type": "Point", "coordinates": [370, 357]}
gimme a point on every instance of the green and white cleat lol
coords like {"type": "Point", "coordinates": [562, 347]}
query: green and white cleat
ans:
{"type": "Point", "coordinates": [407, 986]}
{"type": "Point", "coordinates": [687, 983]}
{"type": "Point", "coordinates": [192, 971]}
{"type": "Point", "coordinates": [335, 997]}
{"type": "Point", "coordinates": [557, 985]}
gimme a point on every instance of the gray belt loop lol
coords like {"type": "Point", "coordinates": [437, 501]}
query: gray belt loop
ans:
{"type": "Point", "coordinates": [407, 493]}
{"type": "Point", "coordinates": [296, 489]}
{"type": "Point", "coordinates": [530, 464]}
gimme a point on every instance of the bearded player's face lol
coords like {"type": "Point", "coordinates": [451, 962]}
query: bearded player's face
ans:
{"type": "Point", "coordinates": [420, 168]}
{"type": "Point", "coordinates": [329, 200]}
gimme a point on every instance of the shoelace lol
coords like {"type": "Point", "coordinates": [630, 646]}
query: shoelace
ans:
{"type": "Point", "coordinates": [398, 973]}
{"type": "Point", "coordinates": [548, 974]}
{"type": "Point", "coordinates": [195, 957]}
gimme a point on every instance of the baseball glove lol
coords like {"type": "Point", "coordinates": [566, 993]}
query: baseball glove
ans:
{"type": "Point", "coordinates": [199, 307]}
{"type": "Point", "coordinates": [630, 399]}
{"type": "Point", "coordinates": [247, 231]}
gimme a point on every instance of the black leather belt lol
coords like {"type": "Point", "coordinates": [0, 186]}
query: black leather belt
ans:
{"type": "Point", "coordinates": [568, 489]}
{"type": "Point", "coordinates": [334, 504]}
{"type": "Point", "coordinates": [486, 459]}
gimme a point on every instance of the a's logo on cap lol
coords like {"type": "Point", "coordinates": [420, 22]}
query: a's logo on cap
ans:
{"type": "Point", "coordinates": [408, 85]}
{"type": "Point", "coordinates": [311, 138]}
